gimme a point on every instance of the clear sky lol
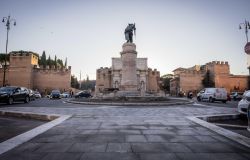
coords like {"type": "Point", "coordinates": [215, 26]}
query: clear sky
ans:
{"type": "Point", "coordinates": [170, 33]}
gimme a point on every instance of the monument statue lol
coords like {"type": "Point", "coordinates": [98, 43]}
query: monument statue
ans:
{"type": "Point", "coordinates": [129, 32]}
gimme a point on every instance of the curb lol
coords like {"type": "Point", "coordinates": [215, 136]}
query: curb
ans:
{"type": "Point", "coordinates": [129, 103]}
{"type": "Point", "coordinates": [202, 120]}
{"type": "Point", "coordinates": [29, 115]}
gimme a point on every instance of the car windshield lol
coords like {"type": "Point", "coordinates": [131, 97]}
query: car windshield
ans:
{"type": "Point", "coordinates": [55, 91]}
{"type": "Point", "coordinates": [6, 89]}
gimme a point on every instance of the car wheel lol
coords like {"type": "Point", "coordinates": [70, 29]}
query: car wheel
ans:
{"type": "Point", "coordinates": [27, 99]}
{"type": "Point", "coordinates": [10, 100]}
{"type": "Point", "coordinates": [224, 101]}
{"type": "Point", "coordinates": [198, 99]}
{"type": "Point", "coordinates": [211, 99]}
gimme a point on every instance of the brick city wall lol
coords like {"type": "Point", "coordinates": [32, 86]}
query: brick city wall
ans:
{"type": "Point", "coordinates": [232, 82]}
{"type": "Point", "coordinates": [103, 79]}
{"type": "Point", "coordinates": [46, 80]}
{"type": "Point", "coordinates": [191, 80]}
{"type": "Point", "coordinates": [153, 80]}
{"type": "Point", "coordinates": [23, 71]}
{"type": "Point", "coordinates": [20, 68]}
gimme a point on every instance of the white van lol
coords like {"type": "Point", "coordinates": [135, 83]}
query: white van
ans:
{"type": "Point", "coordinates": [212, 94]}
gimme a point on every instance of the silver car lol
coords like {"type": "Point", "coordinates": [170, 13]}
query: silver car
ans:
{"type": "Point", "coordinates": [244, 102]}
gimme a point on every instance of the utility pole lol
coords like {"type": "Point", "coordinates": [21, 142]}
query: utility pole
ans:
{"type": "Point", "coordinates": [8, 21]}
{"type": "Point", "coordinates": [246, 26]}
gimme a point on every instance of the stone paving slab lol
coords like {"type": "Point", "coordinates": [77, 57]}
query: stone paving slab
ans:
{"type": "Point", "coordinates": [129, 134]}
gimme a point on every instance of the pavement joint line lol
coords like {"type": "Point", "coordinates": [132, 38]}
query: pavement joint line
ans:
{"type": "Point", "coordinates": [26, 136]}
{"type": "Point", "coordinates": [202, 120]}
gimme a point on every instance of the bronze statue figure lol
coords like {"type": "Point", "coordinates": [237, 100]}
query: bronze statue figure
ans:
{"type": "Point", "coordinates": [129, 32]}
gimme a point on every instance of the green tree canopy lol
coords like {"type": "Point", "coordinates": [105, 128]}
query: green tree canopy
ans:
{"type": "Point", "coordinates": [65, 63]}
{"type": "Point", "coordinates": [43, 60]}
{"type": "Point", "coordinates": [207, 81]}
{"type": "Point", "coordinates": [2, 57]}
{"type": "Point", "coordinates": [60, 62]}
{"type": "Point", "coordinates": [74, 82]}
{"type": "Point", "coordinates": [165, 85]}
{"type": "Point", "coordinates": [49, 62]}
{"type": "Point", "coordinates": [55, 62]}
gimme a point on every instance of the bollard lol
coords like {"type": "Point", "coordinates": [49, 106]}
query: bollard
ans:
{"type": "Point", "coordinates": [248, 117]}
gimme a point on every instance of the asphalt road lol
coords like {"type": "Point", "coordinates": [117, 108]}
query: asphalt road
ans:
{"type": "Point", "coordinates": [230, 104]}
{"type": "Point", "coordinates": [59, 103]}
{"type": "Point", "coordinates": [11, 126]}
{"type": "Point", "coordinates": [42, 102]}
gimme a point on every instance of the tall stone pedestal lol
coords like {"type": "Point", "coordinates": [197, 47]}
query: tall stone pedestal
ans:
{"type": "Point", "coordinates": [129, 77]}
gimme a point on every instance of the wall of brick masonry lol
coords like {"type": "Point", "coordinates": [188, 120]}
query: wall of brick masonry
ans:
{"type": "Point", "coordinates": [191, 80]}
{"type": "Point", "coordinates": [153, 81]}
{"type": "Point", "coordinates": [46, 80]}
{"type": "Point", "coordinates": [23, 71]}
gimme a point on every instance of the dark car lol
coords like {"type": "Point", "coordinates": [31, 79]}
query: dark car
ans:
{"type": "Point", "coordinates": [82, 94]}
{"type": "Point", "coordinates": [12, 94]}
{"type": "Point", "coordinates": [55, 94]}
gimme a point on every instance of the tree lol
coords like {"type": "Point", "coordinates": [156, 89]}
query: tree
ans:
{"type": "Point", "coordinates": [2, 57]}
{"type": "Point", "coordinates": [60, 62]}
{"type": "Point", "coordinates": [65, 63]}
{"type": "Point", "coordinates": [207, 81]}
{"type": "Point", "coordinates": [43, 60]}
{"type": "Point", "coordinates": [49, 62]}
{"type": "Point", "coordinates": [55, 62]}
{"type": "Point", "coordinates": [74, 82]}
{"type": "Point", "coordinates": [165, 86]}
{"type": "Point", "coordinates": [88, 84]}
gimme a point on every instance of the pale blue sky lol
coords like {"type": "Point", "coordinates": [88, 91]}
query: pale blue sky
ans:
{"type": "Point", "coordinates": [170, 33]}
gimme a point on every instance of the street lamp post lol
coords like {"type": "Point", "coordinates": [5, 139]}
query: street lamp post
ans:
{"type": "Point", "coordinates": [246, 26]}
{"type": "Point", "coordinates": [8, 21]}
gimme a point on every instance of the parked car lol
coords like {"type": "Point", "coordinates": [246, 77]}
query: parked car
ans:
{"type": "Point", "coordinates": [244, 102]}
{"type": "Point", "coordinates": [12, 94]}
{"type": "Point", "coordinates": [83, 94]}
{"type": "Point", "coordinates": [32, 95]}
{"type": "Point", "coordinates": [55, 94]}
{"type": "Point", "coordinates": [213, 94]}
{"type": "Point", "coordinates": [190, 95]}
{"type": "Point", "coordinates": [37, 94]}
{"type": "Point", "coordinates": [236, 96]}
{"type": "Point", "coordinates": [65, 95]}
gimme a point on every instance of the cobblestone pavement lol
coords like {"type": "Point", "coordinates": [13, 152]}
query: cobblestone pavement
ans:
{"type": "Point", "coordinates": [128, 133]}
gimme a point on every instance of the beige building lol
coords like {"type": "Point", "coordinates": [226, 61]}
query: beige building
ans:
{"type": "Point", "coordinates": [128, 73]}
{"type": "Point", "coordinates": [23, 70]}
{"type": "Point", "coordinates": [190, 79]}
